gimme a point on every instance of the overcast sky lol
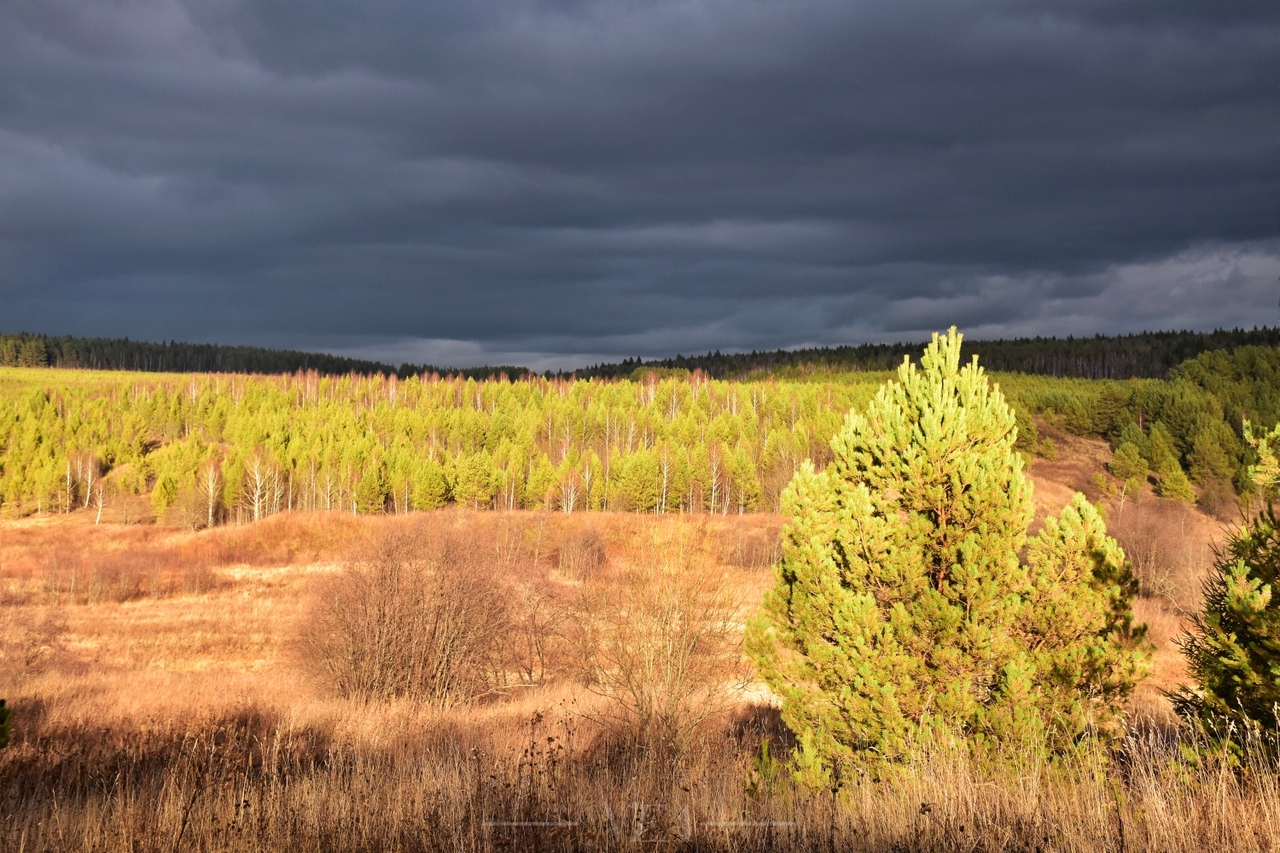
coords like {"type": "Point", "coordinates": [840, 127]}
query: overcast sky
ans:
{"type": "Point", "coordinates": [559, 183]}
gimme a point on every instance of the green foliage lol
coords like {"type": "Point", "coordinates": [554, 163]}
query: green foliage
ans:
{"type": "Point", "coordinates": [1233, 646]}
{"type": "Point", "coordinates": [1078, 621]}
{"type": "Point", "coordinates": [1028, 435]}
{"type": "Point", "coordinates": [767, 773]}
{"type": "Point", "coordinates": [668, 443]}
{"type": "Point", "coordinates": [1136, 453]}
{"type": "Point", "coordinates": [371, 490]}
{"type": "Point", "coordinates": [901, 608]}
{"type": "Point", "coordinates": [640, 482]}
{"type": "Point", "coordinates": [1127, 463]}
{"type": "Point", "coordinates": [1161, 451]}
{"type": "Point", "coordinates": [1162, 456]}
{"type": "Point", "coordinates": [1245, 381]}
{"type": "Point", "coordinates": [1149, 354]}
{"type": "Point", "coordinates": [164, 494]}
{"type": "Point", "coordinates": [1172, 482]}
{"type": "Point", "coordinates": [430, 488]}
{"type": "Point", "coordinates": [371, 444]}
{"type": "Point", "coordinates": [24, 350]}
{"type": "Point", "coordinates": [1133, 434]}
{"type": "Point", "coordinates": [1265, 473]}
{"type": "Point", "coordinates": [1213, 453]}
{"type": "Point", "coordinates": [475, 483]}
{"type": "Point", "coordinates": [1133, 487]}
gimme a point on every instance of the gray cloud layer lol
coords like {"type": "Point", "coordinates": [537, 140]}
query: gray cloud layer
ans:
{"type": "Point", "coordinates": [559, 182]}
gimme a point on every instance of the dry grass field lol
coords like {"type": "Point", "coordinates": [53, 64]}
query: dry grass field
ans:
{"type": "Point", "coordinates": [165, 698]}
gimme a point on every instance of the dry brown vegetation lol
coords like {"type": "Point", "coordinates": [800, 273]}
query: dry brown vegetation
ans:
{"type": "Point", "coordinates": [419, 615]}
{"type": "Point", "coordinates": [169, 692]}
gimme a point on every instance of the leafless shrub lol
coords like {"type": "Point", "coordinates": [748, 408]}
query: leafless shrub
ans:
{"type": "Point", "coordinates": [188, 509]}
{"type": "Point", "coordinates": [753, 549]}
{"type": "Point", "coordinates": [1166, 548]}
{"type": "Point", "coordinates": [582, 555]}
{"type": "Point", "coordinates": [251, 781]}
{"type": "Point", "coordinates": [538, 619]}
{"type": "Point", "coordinates": [417, 616]}
{"type": "Point", "coordinates": [661, 643]}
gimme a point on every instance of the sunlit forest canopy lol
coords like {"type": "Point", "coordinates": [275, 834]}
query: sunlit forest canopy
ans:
{"type": "Point", "coordinates": [208, 448]}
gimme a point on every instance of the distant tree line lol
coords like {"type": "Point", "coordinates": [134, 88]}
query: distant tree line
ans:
{"type": "Point", "coordinates": [28, 350]}
{"type": "Point", "coordinates": [1147, 355]}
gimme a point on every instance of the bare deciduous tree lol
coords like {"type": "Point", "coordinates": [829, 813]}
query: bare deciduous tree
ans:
{"type": "Point", "coordinates": [101, 497]}
{"type": "Point", "coordinates": [261, 485]}
{"type": "Point", "coordinates": [209, 486]}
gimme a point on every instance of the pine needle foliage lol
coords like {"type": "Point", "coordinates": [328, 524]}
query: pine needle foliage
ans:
{"type": "Point", "coordinates": [1233, 645]}
{"type": "Point", "coordinates": [903, 608]}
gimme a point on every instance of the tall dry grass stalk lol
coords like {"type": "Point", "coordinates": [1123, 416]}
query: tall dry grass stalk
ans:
{"type": "Point", "coordinates": [393, 778]}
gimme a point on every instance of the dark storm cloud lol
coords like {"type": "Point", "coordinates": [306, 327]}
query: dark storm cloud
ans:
{"type": "Point", "coordinates": [558, 182]}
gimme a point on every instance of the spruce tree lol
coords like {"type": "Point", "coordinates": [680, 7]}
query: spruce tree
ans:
{"type": "Point", "coordinates": [902, 610]}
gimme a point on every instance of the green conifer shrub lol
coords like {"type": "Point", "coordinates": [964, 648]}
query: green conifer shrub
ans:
{"type": "Point", "coordinates": [1265, 473]}
{"type": "Point", "coordinates": [1214, 453]}
{"type": "Point", "coordinates": [1172, 483]}
{"type": "Point", "coordinates": [1233, 645]}
{"type": "Point", "coordinates": [1231, 648]}
{"type": "Point", "coordinates": [1128, 464]}
{"type": "Point", "coordinates": [902, 610]}
{"type": "Point", "coordinates": [1133, 434]}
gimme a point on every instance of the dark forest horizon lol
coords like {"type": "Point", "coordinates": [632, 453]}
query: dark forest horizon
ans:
{"type": "Point", "coordinates": [1146, 354]}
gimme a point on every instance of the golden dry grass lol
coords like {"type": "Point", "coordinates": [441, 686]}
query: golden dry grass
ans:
{"type": "Point", "coordinates": [158, 706]}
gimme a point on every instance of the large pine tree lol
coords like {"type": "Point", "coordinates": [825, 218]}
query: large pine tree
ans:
{"type": "Point", "coordinates": [902, 608]}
